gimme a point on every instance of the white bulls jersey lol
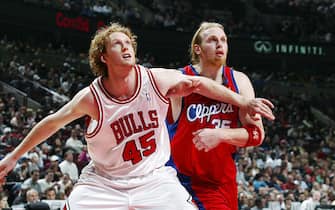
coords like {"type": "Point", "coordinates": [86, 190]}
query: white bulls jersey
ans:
{"type": "Point", "coordinates": [130, 138]}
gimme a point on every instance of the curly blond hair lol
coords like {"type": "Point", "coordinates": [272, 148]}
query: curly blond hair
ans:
{"type": "Point", "coordinates": [98, 46]}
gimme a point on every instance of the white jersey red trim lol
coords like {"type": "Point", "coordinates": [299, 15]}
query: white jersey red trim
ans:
{"type": "Point", "coordinates": [130, 137]}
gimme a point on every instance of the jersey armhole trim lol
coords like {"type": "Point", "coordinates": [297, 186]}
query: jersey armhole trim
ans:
{"type": "Point", "coordinates": [98, 101]}
{"type": "Point", "coordinates": [169, 119]}
{"type": "Point", "coordinates": [234, 81]}
{"type": "Point", "coordinates": [154, 85]}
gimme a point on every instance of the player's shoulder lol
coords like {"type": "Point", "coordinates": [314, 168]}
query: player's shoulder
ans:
{"type": "Point", "coordinates": [83, 97]}
{"type": "Point", "coordinates": [240, 76]}
{"type": "Point", "coordinates": [164, 71]}
{"type": "Point", "coordinates": [83, 93]}
{"type": "Point", "coordinates": [163, 75]}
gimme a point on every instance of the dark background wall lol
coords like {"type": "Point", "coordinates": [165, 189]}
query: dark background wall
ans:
{"type": "Point", "coordinates": [42, 25]}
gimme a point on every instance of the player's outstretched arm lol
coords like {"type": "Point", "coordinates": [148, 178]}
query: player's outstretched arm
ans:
{"type": "Point", "coordinates": [251, 134]}
{"type": "Point", "coordinates": [76, 108]}
{"type": "Point", "coordinates": [175, 84]}
{"type": "Point", "coordinates": [253, 106]}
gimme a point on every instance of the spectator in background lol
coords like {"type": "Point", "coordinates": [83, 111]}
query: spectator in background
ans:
{"type": "Point", "coordinates": [67, 191]}
{"type": "Point", "coordinates": [50, 193]}
{"type": "Point", "coordinates": [17, 120]}
{"type": "Point", "coordinates": [69, 167]}
{"type": "Point", "coordinates": [32, 196]}
{"type": "Point", "coordinates": [2, 126]}
{"type": "Point", "coordinates": [47, 181]}
{"type": "Point", "coordinates": [22, 169]}
{"type": "Point", "coordinates": [258, 205]}
{"type": "Point", "coordinates": [54, 167]}
{"type": "Point", "coordinates": [290, 183]}
{"type": "Point", "coordinates": [259, 182]}
{"type": "Point", "coordinates": [83, 158]}
{"type": "Point", "coordinates": [73, 142]}
{"type": "Point", "coordinates": [281, 201]}
{"type": "Point", "coordinates": [36, 161]}
{"type": "Point", "coordinates": [44, 154]}
{"type": "Point", "coordinates": [21, 196]}
{"type": "Point", "coordinates": [311, 202]}
{"type": "Point", "coordinates": [3, 201]}
{"type": "Point", "coordinates": [240, 176]}
{"type": "Point", "coordinates": [63, 183]}
{"type": "Point", "coordinates": [32, 182]}
{"type": "Point", "coordinates": [8, 137]}
{"type": "Point", "coordinates": [34, 202]}
{"type": "Point", "coordinates": [57, 145]}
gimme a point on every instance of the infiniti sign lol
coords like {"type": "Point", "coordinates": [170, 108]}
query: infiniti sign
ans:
{"type": "Point", "coordinates": [263, 47]}
{"type": "Point", "coordinates": [268, 47]}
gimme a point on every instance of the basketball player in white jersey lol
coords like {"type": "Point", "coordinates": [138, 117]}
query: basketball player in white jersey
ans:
{"type": "Point", "coordinates": [127, 139]}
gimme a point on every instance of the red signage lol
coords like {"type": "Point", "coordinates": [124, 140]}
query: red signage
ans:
{"type": "Point", "coordinates": [78, 23]}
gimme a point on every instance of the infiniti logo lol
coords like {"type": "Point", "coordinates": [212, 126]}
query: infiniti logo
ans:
{"type": "Point", "coordinates": [263, 47]}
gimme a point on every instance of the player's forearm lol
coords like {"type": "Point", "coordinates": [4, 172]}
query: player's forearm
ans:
{"type": "Point", "coordinates": [236, 136]}
{"type": "Point", "coordinates": [41, 131]}
{"type": "Point", "coordinates": [216, 91]}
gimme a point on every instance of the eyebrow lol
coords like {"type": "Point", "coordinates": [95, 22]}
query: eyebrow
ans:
{"type": "Point", "coordinates": [120, 40]}
{"type": "Point", "coordinates": [214, 36]}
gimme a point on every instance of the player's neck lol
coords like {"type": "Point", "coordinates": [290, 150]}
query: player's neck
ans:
{"type": "Point", "coordinates": [121, 86]}
{"type": "Point", "coordinates": [210, 70]}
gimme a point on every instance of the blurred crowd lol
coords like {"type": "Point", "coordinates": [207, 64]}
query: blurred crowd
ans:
{"type": "Point", "coordinates": [295, 160]}
{"type": "Point", "coordinates": [280, 19]}
{"type": "Point", "coordinates": [293, 168]}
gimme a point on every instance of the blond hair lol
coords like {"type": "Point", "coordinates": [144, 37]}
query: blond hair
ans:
{"type": "Point", "coordinates": [197, 38]}
{"type": "Point", "coordinates": [98, 46]}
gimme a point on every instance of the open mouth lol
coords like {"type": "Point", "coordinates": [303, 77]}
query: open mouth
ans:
{"type": "Point", "coordinates": [126, 55]}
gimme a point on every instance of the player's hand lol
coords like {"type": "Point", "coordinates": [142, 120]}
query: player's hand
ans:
{"type": "Point", "coordinates": [184, 88]}
{"type": "Point", "coordinates": [6, 165]}
{"type": "Point", "coordinates": [260, 106]}
{"type": "Point", "coordinates": [205, 139]}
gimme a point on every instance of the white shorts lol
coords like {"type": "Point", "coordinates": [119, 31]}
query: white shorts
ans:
{"type": "Point", "coordinates": [159, 190]}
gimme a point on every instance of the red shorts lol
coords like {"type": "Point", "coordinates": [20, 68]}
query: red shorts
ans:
{"type": "Point", "coordinates": [219, 197]}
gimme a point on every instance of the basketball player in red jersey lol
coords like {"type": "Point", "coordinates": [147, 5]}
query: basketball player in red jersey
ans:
{"type": "Point", "coordinates": [205, 133]}
{"type": "Point", "coordinates": [127, 138]}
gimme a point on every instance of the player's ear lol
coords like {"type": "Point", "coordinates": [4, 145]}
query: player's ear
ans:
{"type": "Point", "coordinates": [102, 58]}
{"type": "Point", "coordinates": [197, 49]}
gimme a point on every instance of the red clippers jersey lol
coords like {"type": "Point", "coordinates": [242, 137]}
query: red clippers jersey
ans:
{"type": "Point", "coordinates": [217, 165]}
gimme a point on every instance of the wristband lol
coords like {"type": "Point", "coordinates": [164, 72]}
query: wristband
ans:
{"type": "Point", "coordinates": [255, 135]}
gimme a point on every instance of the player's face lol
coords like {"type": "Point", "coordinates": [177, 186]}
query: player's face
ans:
{"type": "Point", "coordinates": [119, 50]}
{"type": "Point", "coordinates": [214, 47]}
